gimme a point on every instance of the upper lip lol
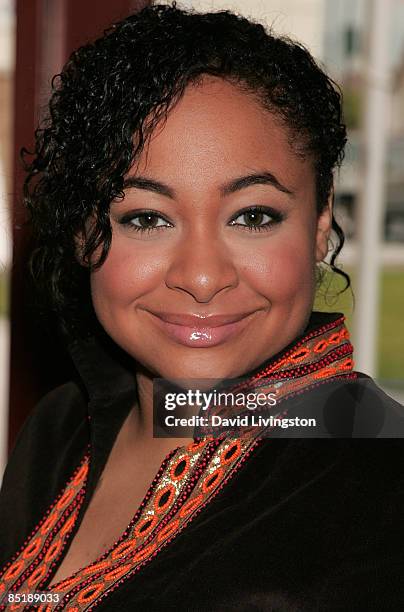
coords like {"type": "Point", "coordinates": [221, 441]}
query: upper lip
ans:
{"type": "Point", "coordinates": [201, 321]}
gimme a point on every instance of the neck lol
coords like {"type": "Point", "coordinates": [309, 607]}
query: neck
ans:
{"type": "Point", "coordinates": [138, 427]}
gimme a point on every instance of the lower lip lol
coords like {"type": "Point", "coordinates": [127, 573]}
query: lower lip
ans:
{"type": "Point", "coordinates": [202, 337]}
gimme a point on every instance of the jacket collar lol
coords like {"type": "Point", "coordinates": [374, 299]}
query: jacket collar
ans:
{"type": "Point", "coordinates": [106, 371]}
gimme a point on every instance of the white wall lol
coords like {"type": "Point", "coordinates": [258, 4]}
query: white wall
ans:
{"type": "Point", "coordinates": [7, 28]}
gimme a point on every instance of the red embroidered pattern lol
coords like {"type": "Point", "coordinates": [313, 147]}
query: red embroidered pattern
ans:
{"type": "Point", "coordinates": [188, 479]}
{"type": "Point", "coordinates": [166, 510]}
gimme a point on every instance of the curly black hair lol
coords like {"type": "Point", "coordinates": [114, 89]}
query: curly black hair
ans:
{"type": "Point", "coordinates": [104, 105]}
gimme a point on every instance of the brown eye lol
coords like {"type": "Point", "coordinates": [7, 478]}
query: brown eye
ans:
{"type": "Point", "coordinates": [147, 220]}
{"type": "Point", "coordinates": [144, 221]}
{"type": "Point", "coordinates": [253, 217]}
{"type": "Point", "coordinates": [257, 218]}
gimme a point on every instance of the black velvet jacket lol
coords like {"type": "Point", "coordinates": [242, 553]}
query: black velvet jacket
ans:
{"type": "Point", "coordinates": [304, 524]}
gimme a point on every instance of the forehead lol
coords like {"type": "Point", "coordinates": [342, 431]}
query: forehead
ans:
{"type": "Point", "coordinates": [217, 131]}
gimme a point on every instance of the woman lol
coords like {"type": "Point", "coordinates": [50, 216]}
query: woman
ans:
{"type": "Point", "coordinates": [181, 195]}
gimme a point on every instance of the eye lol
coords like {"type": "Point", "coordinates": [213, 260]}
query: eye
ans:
{"type": "Point", "coordinates": [144, 221]}
{"type": "Point", "coordinates": [258, 218]}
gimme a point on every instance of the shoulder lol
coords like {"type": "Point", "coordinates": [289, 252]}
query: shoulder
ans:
{"type": "Point", "coordinates": [51, 422]}
{"type": "Point", "coordinates": [60, 408]}
{"type": "Point", "coordinates": [348, 408]}
{"type": "Point", "coordinates": [48, 447]}
{"type": "Point", "coordinates": [374, 414]}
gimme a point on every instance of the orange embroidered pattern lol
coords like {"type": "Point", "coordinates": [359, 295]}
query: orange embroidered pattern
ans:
{"type": "Point", "coordinates": [42, 548]}
{"type": "Point", "coordinates": [188, 479]}
{"type": "Point", "coordinates": [200, 470]}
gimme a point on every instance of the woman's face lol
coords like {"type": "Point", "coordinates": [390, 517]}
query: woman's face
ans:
{"type": "Point", "coordinates": [201, 288]}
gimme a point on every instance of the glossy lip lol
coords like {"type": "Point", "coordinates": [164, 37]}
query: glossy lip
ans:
{"type": "Point", "coordinates": [201, 331]}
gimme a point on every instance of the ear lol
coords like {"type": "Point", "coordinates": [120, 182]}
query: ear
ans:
{"type": "Point", "coordinates": [79, 248]}
{"type": "Point", "coordinates": [80, 239]}
{"type": "Point", "coordinates": [324, 225]}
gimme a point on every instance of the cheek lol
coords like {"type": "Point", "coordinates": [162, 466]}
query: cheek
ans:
{"type": "Point", "coordinates": [126, 274]}
{"type": "Point", "coordinates": [282, 270]}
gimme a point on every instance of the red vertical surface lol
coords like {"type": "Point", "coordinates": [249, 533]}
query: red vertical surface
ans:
{"type": "Point", "coordinates": [47, 32]}
{"type": "Point", "coordinates": [23, 391]}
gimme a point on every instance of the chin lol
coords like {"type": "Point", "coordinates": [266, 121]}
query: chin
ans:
{"type": "Point", "coordinates": [198, 372]}
{"type": "Point", "coordinates": [197, 367]}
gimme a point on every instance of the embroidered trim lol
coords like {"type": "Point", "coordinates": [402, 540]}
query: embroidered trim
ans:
{"type": "Point", "coordinates": [39, 551]}
{"type": "Point", "coordinates": [302, 358]}
{"type": "Point", "coordinates": [188, 479]}
{"type": "Point", "coordinates": [164, 514]}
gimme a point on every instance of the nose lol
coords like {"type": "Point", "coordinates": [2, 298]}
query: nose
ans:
{"type": "Point", "coordinates": [202, 267]}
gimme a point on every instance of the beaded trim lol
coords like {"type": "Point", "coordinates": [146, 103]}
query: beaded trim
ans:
{"type": "Point", "coordinates": [188, 479]}
{"type": "Point", "coordinates": [44, 545]}
{"type": "Point", "coordinates": [314, 354]}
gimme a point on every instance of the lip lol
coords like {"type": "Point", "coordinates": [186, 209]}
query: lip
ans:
{"type": "Point", "coordinates": [201, 331]}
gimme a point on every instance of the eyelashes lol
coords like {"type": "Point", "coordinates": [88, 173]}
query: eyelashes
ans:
{"type": "Point", "coordinates": [256, 219]}
{"type": "Point", "coordinates": [149, 221]}
{"type": "Point", "coordinates": [256, 215]}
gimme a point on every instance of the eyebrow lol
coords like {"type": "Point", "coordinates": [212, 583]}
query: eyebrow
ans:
{"type": "Point", "coordinates": [237, 184]}
{"type": "Point", "coordinates": [141, 182]}
{"type": "Point", "coordinates": [262, 178]}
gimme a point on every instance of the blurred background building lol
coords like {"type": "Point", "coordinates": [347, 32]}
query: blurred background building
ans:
{"type": "Point", "coordinates": [338, 33]}
{"type": "Point", "coordinates": [345, 56]}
